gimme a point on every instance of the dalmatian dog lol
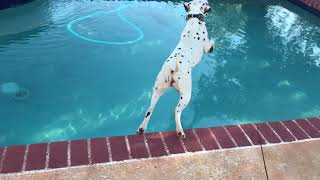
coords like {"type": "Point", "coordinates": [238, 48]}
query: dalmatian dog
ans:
{"type": "Point", "coordinates": [177, 69]}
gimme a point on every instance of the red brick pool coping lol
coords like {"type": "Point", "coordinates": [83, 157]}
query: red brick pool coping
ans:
{"type": "Point", "coordinates": [310, 5]}
{"type": "Point", "coordinates": [22, 158]}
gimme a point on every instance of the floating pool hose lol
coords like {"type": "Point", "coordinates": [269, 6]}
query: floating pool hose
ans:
{"type": "Point", "coordinates": [117, 10]}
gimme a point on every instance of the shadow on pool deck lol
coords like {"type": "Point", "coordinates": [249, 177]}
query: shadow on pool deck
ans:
{"type": "Point", "coordinates": [297, 160]}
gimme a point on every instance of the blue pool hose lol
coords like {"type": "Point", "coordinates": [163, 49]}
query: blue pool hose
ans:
{"type": "Point", "coordinates": [117, 10]}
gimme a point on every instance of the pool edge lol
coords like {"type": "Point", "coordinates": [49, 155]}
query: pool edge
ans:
{"type": "Point", "coordinates": [313, 6]}
{"type": "Point", "coordinates": [55, 155]}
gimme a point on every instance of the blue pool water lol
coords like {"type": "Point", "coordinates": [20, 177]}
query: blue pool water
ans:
{"type": "Point", "coordinates": [265, 68]}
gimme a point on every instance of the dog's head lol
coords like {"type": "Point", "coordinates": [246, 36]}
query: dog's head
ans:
{"type": "Point", "coordinates": [197, 7]}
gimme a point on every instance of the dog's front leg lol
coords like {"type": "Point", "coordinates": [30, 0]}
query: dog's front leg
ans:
{"type": "Point", "coordinates": [209, 45]}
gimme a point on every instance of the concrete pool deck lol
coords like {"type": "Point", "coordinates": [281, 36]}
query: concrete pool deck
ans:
{"type": "Point", "coordinates": [281, 150]}
{"type": "Point", "coordinates": [297, 160]}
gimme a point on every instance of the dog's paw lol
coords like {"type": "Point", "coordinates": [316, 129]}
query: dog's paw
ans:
{"type": "Point", "coordinates": [212, 45]}
{"type": "Point", "coordinates": [210, 50]}
{"type": "Point", "coordinates": [181, 134]}
{"type": "Point", "coordinates": [140, 131]}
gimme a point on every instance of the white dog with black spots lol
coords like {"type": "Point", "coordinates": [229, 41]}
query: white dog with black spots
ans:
{"type": "Point", "coordinates": [177, 69]}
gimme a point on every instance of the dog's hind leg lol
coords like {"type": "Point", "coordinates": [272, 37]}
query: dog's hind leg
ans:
{"type": "Point", "coordinates": [160, 87]}
{"type": "Point", "coordinates": [185, 88]}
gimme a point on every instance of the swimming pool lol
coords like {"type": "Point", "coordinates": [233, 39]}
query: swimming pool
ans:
{"type": "Point", "coordinates": [265, 67]}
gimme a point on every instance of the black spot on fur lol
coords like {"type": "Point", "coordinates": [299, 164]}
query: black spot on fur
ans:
{"type": "Point", "coordinates": [190, 48]}
{"type": "Point", "coordinates": [188, 31]}
{"type": "Point", "coordinates": [178, 105]}
{"type": "Point", "coordinates": [188, 72]}
{"type": "Point", "coordinates": [203, 32]}
{"type": "Point", "coordinates": [179, 48]}
{"type": "Point", "coordinates": [182, 55]}
{"type": "Point", "coordinates": [181, 97]}
{"type": "Point", "coordinates": [171, 57]}
{"type": "Point", "coordinates": [168, 60]}
{"type": "Point", "coordinates": [172, 71]}
{"type": "Point", "coordinates": [197, 33]}
{"type": "Point", "coordinates": [180, 62]}
{"type": "Point", "coordinates": [204, 39]}
{"type": "Point", "coordinates": [148, 113]}
{"type": "Point", "coordinates": [178, 77]}
{"type": "Point", "coordinates": [198, 38]}
{"type": "Point", "coordinates": [200, 23]}
{"type": "Point", "coordinates": [184, 35]}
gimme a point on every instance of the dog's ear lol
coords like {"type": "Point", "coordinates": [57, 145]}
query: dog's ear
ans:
{"type": "Point", "coordinates": [207, 9]}
{"type": "Point", "coordinates": [186, 6]}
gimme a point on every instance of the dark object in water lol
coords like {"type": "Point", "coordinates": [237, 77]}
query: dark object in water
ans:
{"type": "Point", "coordinates": [4, 4]}
{"type": "Point", "coordinates": [21, 94]}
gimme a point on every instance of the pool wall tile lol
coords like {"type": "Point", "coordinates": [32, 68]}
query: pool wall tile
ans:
{"type": "Point", "coordinates": [13, 159]}
{"type": "Point", "coordinates": [173, 142]}
{"type": "Point", "coordinates": [155, 144]}
{"type": "Point", "coordinates": [282, 131]}
{"type": "Point", "coordinates": [79, 152]}
{"type": "Point", "coordinates": [295, 130]}
{"type": "Point", "coordinates": [137, 146]}
{"type": "Point", "coordinates": [222, 137]}
{"type": "Point", "coordinates": [315, 122]}
{"type": "Point", "coordinates": [268, 133]}
{"type": "Point", "coordinates": [238, 136]}
{"type": "Point", "coordinates": [308, 128]}
{"type": "Point", "coordinates": [99, 150]}
{"type": "Point", "coordinates": [206, 139]}
{"type": "Point", "coordinates": [191, 142]}
{"type": "Point", "coordinates": [58, 156]}
{"type": "Point", "coordinates": [119, 149]}
{"type": "Point", "coordinates": [36, 158]}
{"type": "Point", "coordinates": [253, 134]}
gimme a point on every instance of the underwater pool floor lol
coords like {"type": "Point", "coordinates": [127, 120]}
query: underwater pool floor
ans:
{"type": "Point", "coordinates": [287, 148]}
{"type": "Point", "coordinates": [57, 86]}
